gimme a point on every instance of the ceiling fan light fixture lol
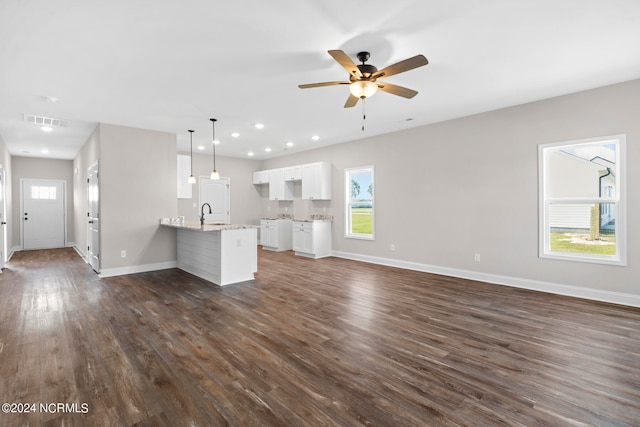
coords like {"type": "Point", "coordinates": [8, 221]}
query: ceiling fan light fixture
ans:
{"type": "Point", "coordinates": [363, 88]}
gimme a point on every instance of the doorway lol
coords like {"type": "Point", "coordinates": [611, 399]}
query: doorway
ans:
{"type": "Point", "coordinates": [216, 193]}
{"type": "Point", "coordinates": [43, 213]}
{"type": "Point", "coordinates": [3, 221]}
{"type": "Point", "coordinates": [93, 217]}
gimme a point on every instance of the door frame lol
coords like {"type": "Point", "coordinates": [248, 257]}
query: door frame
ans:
{"type": "Point", "coordinates": [228, 181]}
{"type": "Point", "coordinates": [3, 219]}
{"type": "Point", "coordinates": [64, 207]}
{"type": "Point", "coordinates": [95, 165]}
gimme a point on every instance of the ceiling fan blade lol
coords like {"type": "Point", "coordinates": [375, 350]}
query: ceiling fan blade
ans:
{"type": "Point", "coordinates": [309, 85]}
{"type": "Point", "coordinates": [397, 90]}
{"type": "Point", "coordinates": [346, 62]}
{"type": "Point", "coordinates": [351, 101]}
{"type": "Point", "coordinates": [402, 66]}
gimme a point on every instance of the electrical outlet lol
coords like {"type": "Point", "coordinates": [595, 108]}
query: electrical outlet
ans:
{"type": "Point", "coordinates": [476, 257]}
{"type": "Point", "coordinates": [393, 247]}
{"type": "Point", "coordinates": [123, 254]}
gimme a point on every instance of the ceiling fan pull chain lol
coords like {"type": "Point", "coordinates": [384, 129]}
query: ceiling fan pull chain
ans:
{"type": "Point", "coordinates": [364, 116]}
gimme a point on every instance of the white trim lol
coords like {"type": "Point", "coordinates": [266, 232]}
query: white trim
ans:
{"type": "Point", "coordinates": [12, 251]}
{"type": "Point", "coordinates": [133, 269]}
{"type": "Point", "coordinates": [77, 249]}
{"type": "Point", "coordinates": [516, 282]}
{"type": "Point", "coordinates": [544, 251]}
{"type": "Point", "coordinates": [348, 234]}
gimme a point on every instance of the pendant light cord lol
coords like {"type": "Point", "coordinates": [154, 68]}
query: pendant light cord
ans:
{"type": "Point", "coordinates": [213, 133]}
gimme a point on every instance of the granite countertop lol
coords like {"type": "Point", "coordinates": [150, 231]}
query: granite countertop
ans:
{"type": "Point", "coordinates": [195, 226]}
{"type": "Point", "coordinates": [326, 218]}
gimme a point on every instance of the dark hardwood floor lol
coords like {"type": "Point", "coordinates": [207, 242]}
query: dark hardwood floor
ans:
{"type": "Point", "coordinates": [326, 342]}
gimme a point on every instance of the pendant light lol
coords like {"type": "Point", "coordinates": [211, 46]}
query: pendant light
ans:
{"type": "Point", "coordinates": [214, 172]}
{"type": "Point", "coordinates": [192, 179]}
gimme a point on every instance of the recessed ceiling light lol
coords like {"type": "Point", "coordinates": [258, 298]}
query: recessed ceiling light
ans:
{"type": "Point", "coordinates": [250, 153]}
{"type": "Point", "coordinates": [289, 144]}
{"type": "Point", "coordinates": [259, 126]}
{"type": "Point", "coordinates": [215, 141]}
{"type": "Point", "coordinates": [235, 134]}
{"type": "Point", "coordinates": [200, 147]}
{"type": "Point", "coordinates": [44, 151]}
{"type": "Point", "coordinates": [268, 149]}
{"type": "Point", "coordinates": [46, 128]}
{"type": "Point", "coordinates": [315, 137]}
{"type": "Point", "coordinates": [51, 99]}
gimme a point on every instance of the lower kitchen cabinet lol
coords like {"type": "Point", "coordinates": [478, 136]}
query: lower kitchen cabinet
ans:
{"type": "Point", "coordinates": [312, 238]}
{"type": "Point", "coordinates": [275, 234]}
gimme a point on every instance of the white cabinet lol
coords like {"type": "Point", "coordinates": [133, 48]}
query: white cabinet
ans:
{"type": "Point", "coordinates": [275, 234]}
{"type": "Point", "coordinates": [312, 238]}
{"type": "Point", "coordinates": [184, 170]}
{"type": "Point", "coordinates": [261, 177]}
{"type": "Point", "coordinates": [279, 189]}
{"type": "Point", "coordinates": [293, 173]}
{"type": "Point", "coordinates": [316, 181]}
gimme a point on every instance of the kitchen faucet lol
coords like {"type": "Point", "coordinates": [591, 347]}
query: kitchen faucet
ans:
{"type": "Point", "coordinates": [202, 212]}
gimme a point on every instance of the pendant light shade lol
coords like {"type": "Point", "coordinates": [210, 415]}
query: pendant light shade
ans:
{"type": "Point", "coordinates": [192, 179]}
{"type": "Point", "coordinates": [214, 172]}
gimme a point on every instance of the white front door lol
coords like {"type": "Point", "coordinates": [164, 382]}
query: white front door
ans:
{"type": "Point", "coordinates": [43, 215]}
{"type": "Point", "coordinates": [216, 193]}
{"type": "Point", "coordinates": [93, 218]}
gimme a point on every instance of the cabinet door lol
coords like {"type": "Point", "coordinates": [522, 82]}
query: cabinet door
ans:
{"type": "Point", "coordinates": [298, 236]}
{"type": "Point", "coordinates": [316, 181]}
{"type": "Point", "coordinates": [279, 189]}
{"type": "Point", "coordinates": [264, 233]}
{"type": "Point", "coordinates": [261, 177]}
{"type": "Point", "coordinates": [307, 240]}
{"type": "Point", "coordinates": [308, 181]}
{"type": "Point", "coordinates": [293, 173]}
{"type": "Point", "coordinates": [273, 234]}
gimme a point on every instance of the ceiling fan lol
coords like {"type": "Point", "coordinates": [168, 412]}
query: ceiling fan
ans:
{"type": "Point", "coordinates": [364, 78]}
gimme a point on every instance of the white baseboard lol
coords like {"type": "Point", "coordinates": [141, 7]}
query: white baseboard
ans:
{"type": "Point", "coordinates": [110, 272]}
{"type": "Point", "coordinates": [516, 282]}
{"type": "Point", "coordinates": [77, 249]}
{"type": "Point", "coordinates": [12, 251]}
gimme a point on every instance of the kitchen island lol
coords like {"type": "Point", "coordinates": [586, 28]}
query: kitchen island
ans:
{"type": "Point", "coordinates": [220, 253]}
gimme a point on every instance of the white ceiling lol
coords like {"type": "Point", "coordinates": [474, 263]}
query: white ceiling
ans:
{"type": "Point", "coordinates": [170, 65]}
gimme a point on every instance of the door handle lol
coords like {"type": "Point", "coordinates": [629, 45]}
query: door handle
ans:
{"type": "Point", "coordinates": [90, 222]}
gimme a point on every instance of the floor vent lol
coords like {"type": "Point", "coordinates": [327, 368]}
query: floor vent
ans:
{"type": "Point", "coordinates": [46, 121]}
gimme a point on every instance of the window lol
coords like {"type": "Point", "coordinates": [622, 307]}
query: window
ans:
{"type": "Point", "coordinates": [46, 193]}
{"type": "Point", "coordinates": [582, 200]}
{"type": "Point", "coordinates": [359, 204]}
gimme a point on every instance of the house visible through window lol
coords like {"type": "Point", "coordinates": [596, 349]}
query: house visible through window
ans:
{"type": "Point", "coordinates": [582, 205]}
{"type": "Point", "coordinates": [359, 203]}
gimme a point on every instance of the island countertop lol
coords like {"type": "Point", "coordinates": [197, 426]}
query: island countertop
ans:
{"type": "Point", "coordinates": [196, 226]}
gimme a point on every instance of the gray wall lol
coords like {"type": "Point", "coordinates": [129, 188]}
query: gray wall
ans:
{"type": "Point", "coordinates": [137, 187]}
{"type": "Point", "coordinates": [449, 190]}
{"type": "Point", "coordinates": [37, 168]}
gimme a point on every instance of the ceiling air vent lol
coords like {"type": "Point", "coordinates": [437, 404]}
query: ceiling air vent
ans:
{"type": "Point", "coordinates": [46, 121]}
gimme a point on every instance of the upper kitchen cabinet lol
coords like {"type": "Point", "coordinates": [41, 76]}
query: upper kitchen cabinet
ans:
{"type": "Point", "coordinates": [261, 177]}
{"type": "Point", "coordinates": [316, 181]}
{"type": "Point", "coordinates": [293, 173]}
{"type": "Point", "coordinates": [184, 170]}
{"type": "Point", "coordinates": [279, 189]}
